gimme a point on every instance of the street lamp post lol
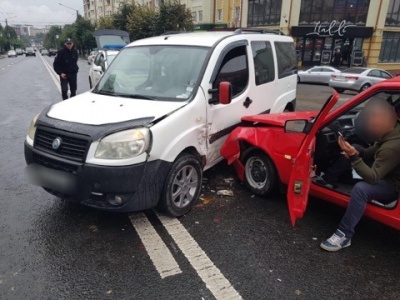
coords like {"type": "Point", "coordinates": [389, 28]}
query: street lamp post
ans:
{"type": "Point", "coordinates": [77, 11]}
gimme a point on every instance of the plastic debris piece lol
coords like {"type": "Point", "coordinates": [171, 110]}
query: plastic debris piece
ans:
{"type": "Point", "coordinates": [206, 200]}
{"type": "Point", "coordinates": [225, 193]}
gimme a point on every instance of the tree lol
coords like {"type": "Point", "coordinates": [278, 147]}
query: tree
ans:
{"type": "Point", "coordinates": [105, 23]}
{"type": "Point", "coordinates": [83, 34]}
{"type": "Point", "coordinates": [141, 23]}
{"type": "Point", "coordinates": [51, 40]}
{"type": "Point", "coordinates": [144, 22]}
{"type": "Point", "coordinates": [120, 19]}
{"type": "Point", "coordinates": [173, 16]}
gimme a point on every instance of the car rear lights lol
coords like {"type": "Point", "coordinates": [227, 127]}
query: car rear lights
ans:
{"type": "Point", "coordinates": [351, 77]}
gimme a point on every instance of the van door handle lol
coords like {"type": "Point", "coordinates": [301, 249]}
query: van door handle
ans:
{"type": "Point", "coordinates": [247, 102]}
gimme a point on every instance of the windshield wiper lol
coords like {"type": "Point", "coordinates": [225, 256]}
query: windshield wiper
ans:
{"type": "Point", "coordinates": [102, 92]}
{"type": "Point", "coordinates": [137, 96]}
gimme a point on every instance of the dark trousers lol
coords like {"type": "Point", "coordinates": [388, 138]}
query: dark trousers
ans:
{"type": "Point", "coordinates": [71, 80]}
{"type": "Point", "coordinates": [362, 193]}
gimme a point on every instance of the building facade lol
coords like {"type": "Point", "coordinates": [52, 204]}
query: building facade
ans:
{"type": "Point", "coordinates": [93, 10]}
{"type": "Point", "coordinates": [366, 32]}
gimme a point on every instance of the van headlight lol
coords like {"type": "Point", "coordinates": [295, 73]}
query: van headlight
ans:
{"type": "Point", "coordinates": [124, 144]}
{"type": "Point", "coordinates": [32, 127]}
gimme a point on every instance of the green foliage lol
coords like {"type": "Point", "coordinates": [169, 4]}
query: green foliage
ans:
{"type": "Point", "coordinates": [144, 22]}
{"type": "Point", "coordinates": [120, 19]}
{"type": "Point", "coordinates": [81, 31]}
{"type": "Point", "coordinates": [141, 23]}
{"type": "Point", "coordinates": [50, 39]}
{"type": "Point", "coordinates": [105, 23]}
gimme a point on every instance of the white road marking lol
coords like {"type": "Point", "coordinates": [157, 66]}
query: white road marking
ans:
{"type": "Point", "coordinates": [52, 73]}
{"type": "Point", "coordinates": [159, 253]}
{"type": "Point", "coordinates": [215, 281]}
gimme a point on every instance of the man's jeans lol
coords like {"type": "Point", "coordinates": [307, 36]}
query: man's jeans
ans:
{"type": "Point", "coordinates": [362, 193]}
{"type": "Point", "coordinates": [71, 80]}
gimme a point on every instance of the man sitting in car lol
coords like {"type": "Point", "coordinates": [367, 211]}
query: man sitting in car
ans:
{"type": "Point", "coordinates": [381, 181]}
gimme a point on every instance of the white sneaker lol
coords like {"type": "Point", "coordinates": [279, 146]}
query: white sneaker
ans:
{"type": "Point", "coordinates": [336, 242]}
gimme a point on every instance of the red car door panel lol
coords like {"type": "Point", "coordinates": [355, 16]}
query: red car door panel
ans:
{"type": "Point", "coordinates": [303, 170]}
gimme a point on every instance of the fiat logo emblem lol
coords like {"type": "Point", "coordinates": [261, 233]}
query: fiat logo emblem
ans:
{"type": "Point", "coordinates": [56, 143]}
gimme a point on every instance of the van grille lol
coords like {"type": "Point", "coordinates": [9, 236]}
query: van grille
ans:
{"type": "Point", "coordinates": [55, 164]}
{"type": "Point", "coordinates": [73, 146]}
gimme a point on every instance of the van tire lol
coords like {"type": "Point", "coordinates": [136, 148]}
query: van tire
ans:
{"type": "Point", "coordinates": [187, 174]}
{"type": "Point", "coordinates": [260, 175]}
{"type": "Point", "coordinates": [339, 90]}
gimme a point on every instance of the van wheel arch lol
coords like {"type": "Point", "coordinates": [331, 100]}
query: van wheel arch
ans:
{"type": "Point", "coordinates": [289, 107]}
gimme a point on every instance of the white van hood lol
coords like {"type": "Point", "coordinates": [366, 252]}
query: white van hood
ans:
{"type": "Point", "coordinates": [95, 109]}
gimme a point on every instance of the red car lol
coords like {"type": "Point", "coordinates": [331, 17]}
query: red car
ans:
{"type": "Point", "coordinates": [291, 148]}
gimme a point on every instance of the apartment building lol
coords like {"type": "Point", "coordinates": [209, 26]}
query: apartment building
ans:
{"type": "Point", "coordinates": [95, 9]}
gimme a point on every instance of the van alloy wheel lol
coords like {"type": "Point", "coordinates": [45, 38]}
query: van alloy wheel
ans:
{"type": "Point", "coordinates": [260, 174]}
{"type": "Point", "coordinates": [183, 185]}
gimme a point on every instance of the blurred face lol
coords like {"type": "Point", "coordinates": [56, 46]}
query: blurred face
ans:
{"type": "Point", "coordinates": [379, 122]}
{"type": "Point", "coordinates": [69, 45]}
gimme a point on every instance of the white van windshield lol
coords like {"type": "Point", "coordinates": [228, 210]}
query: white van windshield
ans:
{"type": "Point", "coordinates": [154, 72]}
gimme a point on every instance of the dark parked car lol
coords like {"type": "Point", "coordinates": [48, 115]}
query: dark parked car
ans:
{"type": "Point", "coordinates": [30, 51]}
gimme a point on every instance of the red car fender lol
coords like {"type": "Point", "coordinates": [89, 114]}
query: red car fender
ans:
{"type": "Point", "coordinates": [281, 147]}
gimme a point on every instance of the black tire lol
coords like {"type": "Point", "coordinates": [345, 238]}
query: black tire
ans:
{"type": "Point", "coordinates": [339, 90]}
{"type": "Point", "coordinates": [183, 186]}
{"type": "Point", "coordinates": [260, 176]}
{"type": "Point", "coordinates": [365, 87]}
{"type": "Point", "coordinates": [298, 79]}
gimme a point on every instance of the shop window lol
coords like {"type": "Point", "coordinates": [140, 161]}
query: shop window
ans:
{"type": "Point", "coordinates": [263, 62]}
{"type": "Point", "coordinates": [390, 48]}
{"type": "Point", "coordinates": [393, 14]}
{"type": "Point", "coordinates": [326, 11]}
{"type": "Point", "coordinates": [264, 12]}
{"type": "Point", "coordinates": [234, 69]}
{"type": "Point", "coordinates": [286, 56]}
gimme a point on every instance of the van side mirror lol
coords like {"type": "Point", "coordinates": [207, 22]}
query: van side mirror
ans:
{"type": "Point", "coordinates": [225, 93]}
{"type": "Point", "coordinates": [295, 126]}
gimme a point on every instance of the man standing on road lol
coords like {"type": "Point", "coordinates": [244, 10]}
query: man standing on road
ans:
{"type": "Point", "coordinates": [381, 181]}
{"type": "Point", "coordinates": [66, 65]}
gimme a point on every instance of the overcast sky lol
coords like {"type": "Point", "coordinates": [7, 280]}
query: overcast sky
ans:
{"type": "Point", "coordinates": [39, 12]}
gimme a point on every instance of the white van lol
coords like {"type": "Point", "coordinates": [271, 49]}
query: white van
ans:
{"type": "Point", "coordinates": [158, 117]}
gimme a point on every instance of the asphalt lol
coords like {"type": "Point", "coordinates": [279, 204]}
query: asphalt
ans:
{"type": "Point", "coordinates": [51, 249]}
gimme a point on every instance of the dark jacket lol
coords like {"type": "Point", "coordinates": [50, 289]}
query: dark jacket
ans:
{"type": "Point", "coordinates": [66, 61]}
{"type": "Point", "coordinates": [386, 156]}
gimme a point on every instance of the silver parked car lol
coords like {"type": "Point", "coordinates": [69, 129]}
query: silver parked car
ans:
{"type": "Point", "coordinates": [318, 74]}
{"type": "Point", "coordinates": [357, 79]}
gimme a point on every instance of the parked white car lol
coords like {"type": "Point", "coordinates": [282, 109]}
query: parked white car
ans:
{"type": "Point", "coordinates": [318, 74]}
{"type": "Point", "coordinates": [100, 64]}
{"type": "Point", "coordinates": [12, 53]}
{"type": "Point", "coordinates": [158, 117]}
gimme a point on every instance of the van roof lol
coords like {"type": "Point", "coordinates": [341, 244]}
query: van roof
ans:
{"type": "Point", "coordinates": [206, 39]}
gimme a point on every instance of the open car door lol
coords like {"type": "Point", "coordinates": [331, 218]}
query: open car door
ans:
{"type": "Point", "coordinates": [303, 169]}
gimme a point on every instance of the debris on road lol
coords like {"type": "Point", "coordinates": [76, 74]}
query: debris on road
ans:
{"type": "Point", "coordinates": [225, 193]}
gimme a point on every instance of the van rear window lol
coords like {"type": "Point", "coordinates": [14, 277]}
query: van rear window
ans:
{"type": "Point", "coordinates": [286, 56]}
